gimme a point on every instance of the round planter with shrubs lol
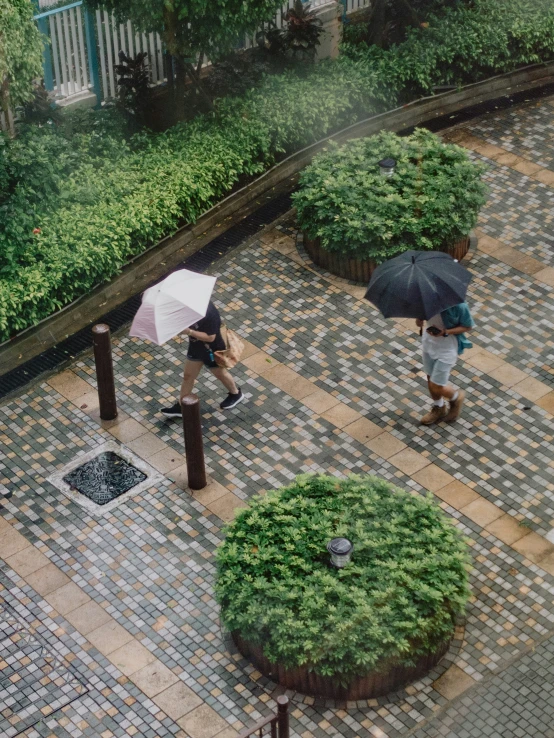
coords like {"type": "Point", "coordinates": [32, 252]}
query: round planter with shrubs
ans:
{"type": "Point", "coordinates": [382, 617]}
{"type": "Point", "coordinates": [356, 213]}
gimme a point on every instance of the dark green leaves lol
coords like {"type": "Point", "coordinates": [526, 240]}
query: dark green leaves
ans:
{"type": "Point", "coordinates": [397, 598]}
{"type": "Point", "coordinates": [433, 198]}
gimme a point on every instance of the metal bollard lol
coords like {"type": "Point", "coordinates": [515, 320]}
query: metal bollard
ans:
{"type": "Point", "coordinates": [283, 715]}
{"type": "Point", "coordinates": [104, 371]}
{"type": "Point", "coordinates": [194, 447]}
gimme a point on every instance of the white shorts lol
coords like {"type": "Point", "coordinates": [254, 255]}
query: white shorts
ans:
{"type": "Point", "coordinates": [438, 371]}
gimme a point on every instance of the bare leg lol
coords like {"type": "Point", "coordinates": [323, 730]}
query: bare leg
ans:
{"type": "Point", "coordinates": [192, 370]}
{"type": "Point", "coordinates": [437, 390]}
{"type": "Point", "coordinates": [226, 379]}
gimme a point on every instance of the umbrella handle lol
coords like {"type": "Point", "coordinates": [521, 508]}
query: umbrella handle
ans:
{"type": "Point", "coordinates": [421, 331]}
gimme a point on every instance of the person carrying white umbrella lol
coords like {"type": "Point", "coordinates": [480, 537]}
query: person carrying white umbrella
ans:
{"type": "Point", "coordinates": [181, 304]}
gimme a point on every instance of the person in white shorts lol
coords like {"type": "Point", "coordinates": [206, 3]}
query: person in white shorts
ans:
{"type": "Point", "coordinates": [443, 340]}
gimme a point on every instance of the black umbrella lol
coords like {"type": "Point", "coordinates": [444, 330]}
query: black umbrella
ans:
{"type": "Point", "coordinates": [418, 284]}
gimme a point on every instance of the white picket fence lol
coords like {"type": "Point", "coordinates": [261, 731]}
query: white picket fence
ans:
{"type": "Point", "coordinates": [353, 5]}
{"type": "Point", "coordinates": [113, 38]}
{"type": "Point", "coordinates": [68, 51]}
{"type": "Point", "coordinates": [70, 67]}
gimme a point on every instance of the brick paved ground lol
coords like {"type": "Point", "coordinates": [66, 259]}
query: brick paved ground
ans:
{"type": "Point", "coordinates": [109, 620]}
{"type": "Point", "coordinates": [517, 702]}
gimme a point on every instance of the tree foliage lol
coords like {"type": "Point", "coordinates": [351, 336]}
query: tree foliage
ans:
{"type": "Point", "coordinates": [191, 27]}
{"type": "Point", "coordinates": [193, 30]}
{"type": "Point", "coordinates": [388, 20]}
{"type": "Point", "coordinates": [21, 47]}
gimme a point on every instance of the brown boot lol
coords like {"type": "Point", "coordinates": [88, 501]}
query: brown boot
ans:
{"type": "Point", "coordinates": [435, 414]}
{"type": "Point", "coordinates": [455, 407]}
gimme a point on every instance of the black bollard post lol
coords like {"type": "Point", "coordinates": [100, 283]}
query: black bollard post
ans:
{"type": "Point", "coordinates": [194, 447]}
{"type": "Point", "coordinates": [283, 715]}
{"type": "Point", "coordinates": [104, 371]}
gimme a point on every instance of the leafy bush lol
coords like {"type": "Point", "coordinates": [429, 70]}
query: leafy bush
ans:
{"type": "Point", "coordinates": [102, 209]}
{"type": "Point", "coordinates": [396, 600]}
{"type": "Point", "coordinates": [238, 72]}
{"type": "Point", "coordinates": [385, 22]}
{"type": "Point", "coordinates": [299, 39]}
{"type": "Point", "coordinates": [39, 175]}
{"type": "Point", "coordinates": [133, 84]}
{"type": "Point", "coordinates": [432, 199]}
{"type": "Point", "coordinates": [103, 199]}
{"type": "Point", "coordinates": [40, 110]}
{"type": "Point", "coordinates": [466, 44]}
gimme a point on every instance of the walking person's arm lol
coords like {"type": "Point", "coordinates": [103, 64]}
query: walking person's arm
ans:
{"type": "Point", "coordinates": [457, 330]}
{"type": "Point", "coordinates": [199, 336]}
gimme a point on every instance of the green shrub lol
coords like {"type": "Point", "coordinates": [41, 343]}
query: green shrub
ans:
{"type": "Point", "coordinates": [99, 199]}
{"type": "Point", "coordinates": [99, 214]}
{"type": "Point", "coordinates": [433, 198]}
{"type": "Point", "coordinates": [466, 44]}
{"type": "Point", "coordinates": [395, 601]}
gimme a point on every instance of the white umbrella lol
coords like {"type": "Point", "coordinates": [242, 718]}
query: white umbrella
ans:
{"type": "Point", "coordinates": [169, 307]}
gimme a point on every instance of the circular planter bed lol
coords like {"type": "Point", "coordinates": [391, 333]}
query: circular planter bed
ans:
{"type": "Point", "coordinates": [353, 218]}
{"type": "Point", "coordinates": [356, 632]}
{"type": "Point", "coordinates": [360, 270]}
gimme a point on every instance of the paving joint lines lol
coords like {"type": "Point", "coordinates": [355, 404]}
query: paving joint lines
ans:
{"type": "Point", "coordinates": [508, 255]}
{"type": "Point", "coordinates": [240, 234]}
{"type": "Point", "coordinates": [480, 358]}
{"type": "Point", "coordinates": [375, 438]}
{"type": "Point", "coordinates": [123, 650]}
{"type": "Point", "coordinates": [150, 566]}
{"type": "Point", "coordinates": [480, 687]}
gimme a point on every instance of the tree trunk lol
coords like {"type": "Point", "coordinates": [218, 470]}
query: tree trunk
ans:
{"type": "Point", "coordinates": [171, 26]}
{"type": "Point", "coordinates": [412, 16]}
{"type": "Point", "coordinates": [378, 23]}
{"type": "Point", "coordinates": [5, 110]}
{"type": "Point", "coordinates": [180, 86]}
{"type": "Point", "coordinates": [194, 74]}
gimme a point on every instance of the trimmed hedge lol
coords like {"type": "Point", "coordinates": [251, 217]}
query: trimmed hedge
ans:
{"type": "Point", "coordinates": [109, 209]}
{"type": "Point", "coordinates": [396, 600]}
{"type": "Point", "coordinates": [432, 200]}
{"type": "Point", "coordinates": [465, 44]}
{"type": "Point", "coordinates": [99, 200]}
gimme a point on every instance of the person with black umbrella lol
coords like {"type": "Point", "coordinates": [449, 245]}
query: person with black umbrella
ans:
{"type": "Point", "coordinates": [429, 286]}
{"type": "Point", "coordinates": [443, 340]}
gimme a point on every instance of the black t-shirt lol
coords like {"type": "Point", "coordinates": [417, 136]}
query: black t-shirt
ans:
{"type": "Point", "coordinates": [210, 324]}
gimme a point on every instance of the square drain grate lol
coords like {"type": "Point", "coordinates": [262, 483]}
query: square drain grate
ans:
{"type": "Point", "coordinates": [104, 478]}
{"type": "Point", "coordinates": [101, 479]}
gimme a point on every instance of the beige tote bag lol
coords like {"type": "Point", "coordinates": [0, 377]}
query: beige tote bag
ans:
{"type": "Point", "coordinates": [230, 357]}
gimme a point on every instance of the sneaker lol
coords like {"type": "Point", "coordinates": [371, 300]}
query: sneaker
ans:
{"type": "Point", "coordinates": [232, 400]}
{"type": "Point", "coordinates": [435, 414]}
{"type": "Point", "coordinates": [174, 411]}
{"type": "Point", "coordinates": [455, 407]}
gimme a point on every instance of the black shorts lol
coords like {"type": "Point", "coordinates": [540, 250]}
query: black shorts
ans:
{"type": "Point", "coordinates": [198, 352]}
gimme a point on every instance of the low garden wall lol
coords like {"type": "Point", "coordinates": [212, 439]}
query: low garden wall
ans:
{"type": "Point", "coordinates": [376, 683]}
{"type": "Point", "coordinates": [171, 251]}
{"type": "Point", "coordinates": [360, 270]}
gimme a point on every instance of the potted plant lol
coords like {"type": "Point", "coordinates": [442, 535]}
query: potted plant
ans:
{"type": "Point", "coordinates": [353, 218]}
{"type": "Point", "coordinates": [383, 619]}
